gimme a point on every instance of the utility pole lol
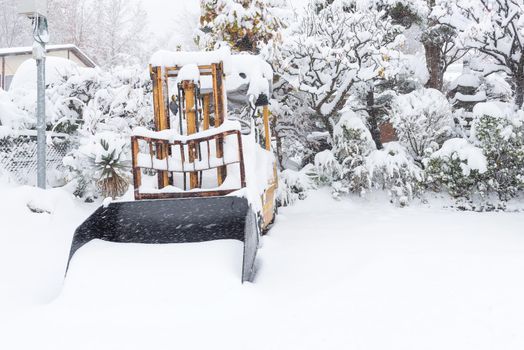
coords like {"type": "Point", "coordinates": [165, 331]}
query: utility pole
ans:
{"type": "Point", "coordinates": [36, 10]}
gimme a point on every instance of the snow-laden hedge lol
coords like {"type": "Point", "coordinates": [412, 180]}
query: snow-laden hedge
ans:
{"type": "Point", "coordinates": [354, 165]}
{"type": "Point", "coordinates": [422, 120]}
{"type": "Point", "coordinates": [429, 156]}
{"type": "Point", "coordinates": [98, 109]}
{"type": "Point", "coordinates": [456, 167]}
{"type": "Point", "coordinates": [498, 129]}
{"type": "Point", "coordinates": [294, 185]}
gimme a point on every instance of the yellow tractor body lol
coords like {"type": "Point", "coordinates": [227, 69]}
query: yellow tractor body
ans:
{"type": "Point", "coordinates": [203, 173]}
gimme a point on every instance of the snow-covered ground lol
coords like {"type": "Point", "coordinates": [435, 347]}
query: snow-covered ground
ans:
{"type": "Point", "coordinates": [353, 274]}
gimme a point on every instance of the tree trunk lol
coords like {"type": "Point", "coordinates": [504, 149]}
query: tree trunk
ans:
{"type": "Point", "coordinates": [327, 120]}
{"type": "Point", "coordinates": [372, 118]}
{"type": "Point", "coordinates": [433, 55]}
{"type": "Point", "coordinates": [274, 124]}
{"type": "Point", "coordinates": [519, 94]}
{"type": "Point", "coordinates": [434, 65]}
{"type": "Point", "coordinates": [519, 85]}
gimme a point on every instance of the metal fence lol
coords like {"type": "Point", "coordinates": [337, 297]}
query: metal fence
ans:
{"type": "Point", "coordinates": [18, 156]}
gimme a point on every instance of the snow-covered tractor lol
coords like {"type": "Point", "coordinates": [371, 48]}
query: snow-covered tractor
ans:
{"type": "Point", "coordinates": [204, 173]}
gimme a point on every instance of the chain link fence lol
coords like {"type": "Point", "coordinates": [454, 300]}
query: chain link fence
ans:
{"type": "Point", "coordinates": [18, 157]}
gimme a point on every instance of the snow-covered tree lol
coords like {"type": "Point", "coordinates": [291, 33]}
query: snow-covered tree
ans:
{"type": "Point", "coordinates": [496, 30]}
{"type": "Point", "coordinates": [111, 32]}
{"type": "Point", "coordinates": [441, 40]}
{"type": "Point", "coordinates": [73, 22]}
{"type": "Point", "coordinates": [437, 24]}
{"type": "Point", "coordinates": [245, 25]}
{"type": "Point", "coordinates": [330, 50]}
{"type": "Point", "coordinates": [121, 25]}
{"type": "Point", "coordinates": [15, 30]}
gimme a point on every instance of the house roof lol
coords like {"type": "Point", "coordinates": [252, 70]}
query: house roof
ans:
{"type": "Point", "coordinates": [27, 50]}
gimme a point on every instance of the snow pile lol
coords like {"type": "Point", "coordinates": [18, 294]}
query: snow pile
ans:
{"type": "Point", "coordinates": [172, 135]}
{"type": "Point", "coordinates": [260, 170]}
{"type": "Point", "coordinates": [57, 70]}
{"type": "Point", "coordinates": [252, 71]}
{"type": "Point", "coordinates": [331, 273]}
{"type": "Point", "coordinates": [35, 236]}
{"type": "Point", "coordinates": [12, 118]}
{"type": "Point", "coordinates": [188, 72]}
{"type": "Point", "coordinates": [465, 80]}
{"type": "Point", "coordinates": [165, 58]}
{"type": "Point", "coordinates": [471, 157]}
{"type": "Point", "coordinates": [493, 109]}
{"type": "Point", "coordinates": [479, 96]}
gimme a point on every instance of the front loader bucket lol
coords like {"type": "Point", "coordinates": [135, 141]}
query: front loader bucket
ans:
{"type": "Point", "coordinates": [174, 221]}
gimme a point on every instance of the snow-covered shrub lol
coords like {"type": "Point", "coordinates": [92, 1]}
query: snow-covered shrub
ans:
{"type": "Point", "coordinates": [100, 166]}
{"type": "Point", "coordinates": [96, 102]}
{"type": "Point", "coordinates": [119, 93]}
{"type": "Point", "coordinates": [11, 117]}
{"type": "Point", "coordinates": [422, 120]}
{"type": "Point", "coordinates": [327, 168]}
{"type": "Point", "coordinates": [498, 129]}
{"type": "Point", "coordinates": [67, 99]}
{"type": "Point", "coordinates": [355, 165]}
{"type": "Point", "coordinates": [352, 142]}
{"type": "Point", "coordinates": [394, 170]}
{"type": "Point", "coordinates": [294, 185]}
{"type": "Point", "coordinates": [457, 167]}
{"type": "Point", "coordinates": [122, 92]}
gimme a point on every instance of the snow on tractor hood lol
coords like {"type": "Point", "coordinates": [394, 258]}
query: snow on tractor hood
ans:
{"type": "Point", "coordinates": [247, 76]}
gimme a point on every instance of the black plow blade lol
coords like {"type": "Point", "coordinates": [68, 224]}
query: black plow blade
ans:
{"type": "Point", "coordinates": [175, 221]}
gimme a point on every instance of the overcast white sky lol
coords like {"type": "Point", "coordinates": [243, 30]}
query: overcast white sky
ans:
{"type": "Point", "coordinates": [163, 13]}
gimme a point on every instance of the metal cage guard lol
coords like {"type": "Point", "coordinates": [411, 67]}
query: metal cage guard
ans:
{"type": "Point", "coordinates": [191, 147]}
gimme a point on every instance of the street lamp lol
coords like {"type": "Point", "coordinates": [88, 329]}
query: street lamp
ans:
{"type": "Point", "coordinates": [36, 10]}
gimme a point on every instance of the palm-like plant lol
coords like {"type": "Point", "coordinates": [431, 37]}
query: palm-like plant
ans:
{"type": "Point", "coordinates": [111, 169]}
